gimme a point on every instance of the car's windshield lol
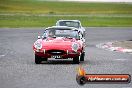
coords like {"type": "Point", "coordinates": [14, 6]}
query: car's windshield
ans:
{"type": "Point", "coordinates": [69, 24]}
{"type": "Point", "coordinates": [56, 32]}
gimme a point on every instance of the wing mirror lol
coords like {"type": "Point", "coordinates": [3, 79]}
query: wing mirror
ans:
{"type": "Point", "coordinates": [39, 37]}
{"type": "Point", "coordinates": [44, 37]}
{"type": "Point", "coordinates": [80, 36]}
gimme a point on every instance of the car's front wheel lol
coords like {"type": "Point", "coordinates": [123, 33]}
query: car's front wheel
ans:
{"type": "Point", "coordinates": [82, 56]}
{"type": "Point", "coordinates": [76, 60]}
{"type": "Point", "coordinates": [45, 59]}
{"type": "Point", "coordinates": [37, 59]}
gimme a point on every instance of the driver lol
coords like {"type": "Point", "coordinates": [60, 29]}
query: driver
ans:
{"type": "Point", "coordinates": [51, 33]}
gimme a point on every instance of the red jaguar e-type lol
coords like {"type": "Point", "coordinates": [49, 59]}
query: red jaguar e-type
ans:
{"type": "Point", "coordinates": [59, 43]}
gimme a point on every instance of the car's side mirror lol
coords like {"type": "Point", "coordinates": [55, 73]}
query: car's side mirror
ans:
{"type": "Point", "coordinates": [80, 36]}
{"type": "Point", "coordinates": [38, 37]}
{"type": "Point", "coordinates": [43, 37]}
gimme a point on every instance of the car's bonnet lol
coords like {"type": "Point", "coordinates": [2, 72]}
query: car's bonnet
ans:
{"type": "Point", "coordinates": [58, 42]}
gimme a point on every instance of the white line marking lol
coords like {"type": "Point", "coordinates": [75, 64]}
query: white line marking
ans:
{"type": "Point", "coordinates": [2, 55]}
{"type": "Point", "coordinates": [121, 59]}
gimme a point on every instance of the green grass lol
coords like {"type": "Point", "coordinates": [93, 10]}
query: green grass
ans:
{"type": "Point", "coordinates": [99, 14]}
{"type": "Point", "coordinates": [45, 7]}
{"type": "Point", "coordinates": [45, 21]}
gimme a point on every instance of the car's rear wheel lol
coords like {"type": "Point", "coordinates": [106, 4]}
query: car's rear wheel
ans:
{"type": "Point", "coordinates": [82, 56]}
{"type": "Point", "coordinates": [37, 59]}
{"type": "Point", "coordinates": [76, 60]}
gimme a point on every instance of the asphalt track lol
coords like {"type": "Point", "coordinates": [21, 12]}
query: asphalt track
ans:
{"type": "Point", "coordinates": [17, 68]}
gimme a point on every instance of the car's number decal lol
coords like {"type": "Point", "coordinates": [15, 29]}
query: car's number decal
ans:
{"type": "Point", "coordinates": [56, 56]}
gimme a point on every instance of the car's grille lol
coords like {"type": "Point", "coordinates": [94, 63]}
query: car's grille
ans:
{"type": "Point", "coordinates": [56, 52]}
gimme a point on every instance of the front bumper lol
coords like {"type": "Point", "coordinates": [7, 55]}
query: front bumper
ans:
{"type": "Point", "coordinates": [65, 55]}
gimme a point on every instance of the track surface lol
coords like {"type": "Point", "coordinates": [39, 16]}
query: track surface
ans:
{"type": "Point", "coordinates": [17, 68]}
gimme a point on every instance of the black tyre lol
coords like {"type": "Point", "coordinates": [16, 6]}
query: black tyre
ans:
{"type": "Point", "coordinates": [82, 56]}
{"type": "Point", "coordinates": [45, 59]}
{"type": "Point", "coordinates": [37, 59]}
{"type": "Point", "coordinates": [81, 80]}
{"type": "Point", "coordinates": [76, 60]}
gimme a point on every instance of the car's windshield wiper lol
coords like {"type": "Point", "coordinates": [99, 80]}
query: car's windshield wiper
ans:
{"type": "Point", "coordinates": [69, 37]}
{"type": "Point", "coordinates": [52, 36]}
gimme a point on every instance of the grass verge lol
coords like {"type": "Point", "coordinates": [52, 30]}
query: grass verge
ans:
{"type": "Point", "coordinates": [47, 7]}
{"type": "Point", "coordinates": [123, 44]}
{"type": "Point", "coordinates": [45, 21]}
{"type": "Point", "coordinates": [91, 13]}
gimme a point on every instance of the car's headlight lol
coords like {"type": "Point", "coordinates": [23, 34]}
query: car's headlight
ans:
{"type": "Point", "coordinates": [75, 47]}
{"type": "Point", "coordinates": [38, 45]}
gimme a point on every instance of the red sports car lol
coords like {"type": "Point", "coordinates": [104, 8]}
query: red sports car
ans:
{"type": "Point", "coordinates": [59, 43]}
